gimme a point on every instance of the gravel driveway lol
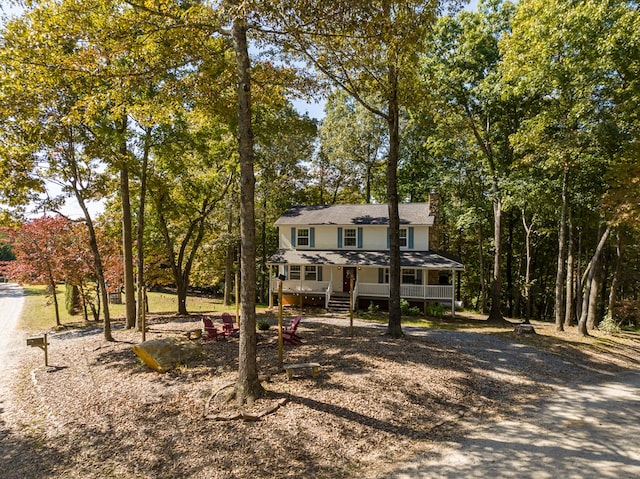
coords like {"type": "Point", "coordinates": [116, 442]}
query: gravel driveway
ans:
{"type": "Point", "coordinates": [585, 430]}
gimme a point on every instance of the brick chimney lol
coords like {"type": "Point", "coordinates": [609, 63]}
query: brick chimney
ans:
{"type": "Point", "coordinates": [434, 203]}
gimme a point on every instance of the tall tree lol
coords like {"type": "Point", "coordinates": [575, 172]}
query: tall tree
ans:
{"type": "Point", "coordinates": [463, 75]}
{"type": "Point", "coordinates": [368, 49]}
{"type": "Point", "coordinates": [554, 55]}
{"type": "Point", "coordinates": [354, 142]}
{"type": "Point", "coordinates": [248, 387]}
{"type": "Point", "coordinates": [190, 177]}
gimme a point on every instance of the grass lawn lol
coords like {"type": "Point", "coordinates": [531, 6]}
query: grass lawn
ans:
{"type": "Point", "coordinates": [38, 312]}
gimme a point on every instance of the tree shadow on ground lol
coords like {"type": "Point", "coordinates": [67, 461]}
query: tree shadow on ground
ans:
{"type": "Point", "coordinates": [24, 455]}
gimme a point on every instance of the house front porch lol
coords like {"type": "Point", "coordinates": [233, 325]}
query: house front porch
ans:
{"type": "Point", "coordinates": [327, 284]}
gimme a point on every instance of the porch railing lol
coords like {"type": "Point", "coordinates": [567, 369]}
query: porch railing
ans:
{"type": "Point", "coordinates": [408, 291]}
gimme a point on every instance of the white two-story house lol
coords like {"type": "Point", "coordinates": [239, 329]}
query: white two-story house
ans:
{"type": "Point", "coordinates": [325, 251]}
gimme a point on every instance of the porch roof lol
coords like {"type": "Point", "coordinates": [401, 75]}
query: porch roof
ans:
{"type": "Point", "coordinates": [408, 259]}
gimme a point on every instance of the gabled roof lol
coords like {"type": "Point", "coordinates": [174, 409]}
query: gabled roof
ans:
{"type": "Point", "coordinates": [410, 214]}
{"type": "Point", "coordinates": [408, 259]}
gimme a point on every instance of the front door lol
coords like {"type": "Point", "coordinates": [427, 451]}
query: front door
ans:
{"type": "Point", "coordinates": [347, 274]}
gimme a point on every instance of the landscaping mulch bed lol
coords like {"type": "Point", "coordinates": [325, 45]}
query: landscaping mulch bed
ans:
{"type": "Point", "coordinates": [98, 412]}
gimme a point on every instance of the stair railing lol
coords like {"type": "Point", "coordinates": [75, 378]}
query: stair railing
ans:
{"type": "Point", "coordinates": [327, 295]}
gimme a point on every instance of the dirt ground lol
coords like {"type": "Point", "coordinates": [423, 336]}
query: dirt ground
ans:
{"type": "Point", "coordinates": [98, 412]}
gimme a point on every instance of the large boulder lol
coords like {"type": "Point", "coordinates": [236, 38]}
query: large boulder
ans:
{"type": "Point", "coordinates": [165, 353]}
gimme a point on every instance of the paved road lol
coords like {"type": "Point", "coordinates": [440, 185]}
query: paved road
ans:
{"type": "Point", "coordinates": [11, 300]}
{"type": "Point", "coordinates": [584, 432]}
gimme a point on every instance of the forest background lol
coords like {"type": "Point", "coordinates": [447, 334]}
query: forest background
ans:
{"type": "Point", "coordinates": [522, 116]}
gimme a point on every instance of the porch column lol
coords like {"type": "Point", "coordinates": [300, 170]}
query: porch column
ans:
{"type": "Point", "coordinates": [425, 287]}
{"type": "Point", "coordinates": [270, 287]}
{"type": "Point", "coordinates": [453, 293]}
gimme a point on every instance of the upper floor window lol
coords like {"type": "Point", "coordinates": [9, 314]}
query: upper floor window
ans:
{"type": "Point", "coordinates": [350, 237]}
{"type": "Point", "coordinates": [403, 238]}
{"type": "Point", "coordinates": [303, 237]}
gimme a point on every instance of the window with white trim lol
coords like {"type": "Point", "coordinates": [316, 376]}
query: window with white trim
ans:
{"type": "Point", "coordinates": [383, 275]}
{"type": "Point", "coordinates": [310, 273]}
{"type": "Point", "coordinates": [403, 238]}
{"type": "Point", "coordinates": [303, 237]}
{"type": "Point", "coordinates": [409, 276]}
{"type": "Point", "coordinates": [350, 237]}
{"type": "Point", "coordinates": [294, 271]}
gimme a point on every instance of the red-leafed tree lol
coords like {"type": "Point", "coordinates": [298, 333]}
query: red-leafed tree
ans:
{"type": "Point", "coordinates": [41, 249]}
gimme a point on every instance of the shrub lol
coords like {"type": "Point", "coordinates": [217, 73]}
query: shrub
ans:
{"type": "Point", "coordinates": [407, 310]}
{"type": "Point", "coordinates": [436, 310]}
{"type": "Point", "coordinates": [609, 325]}
{"type": "Point", "coordinates": [263, 325]}
{"type": "Point", "coordinates": [72, 299]}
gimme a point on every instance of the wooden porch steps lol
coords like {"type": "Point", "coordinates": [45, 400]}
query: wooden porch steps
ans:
{"type": "Point", "coordinates": [339, 303]}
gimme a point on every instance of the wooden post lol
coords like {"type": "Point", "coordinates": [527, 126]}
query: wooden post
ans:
{"type": "Point", "coordinates": [237, 302]}
{"type": "Point", "coordinates": [46, 350]}
{"type": "Point", "coordinates": [280, 341]}
{"type": "Point", "coordinates": [351, 306]}
{"type": "Point", "coordinates": [40, 342]}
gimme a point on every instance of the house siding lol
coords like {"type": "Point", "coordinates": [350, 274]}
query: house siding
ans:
{"type": "Point", "coordinates": [372, 238]}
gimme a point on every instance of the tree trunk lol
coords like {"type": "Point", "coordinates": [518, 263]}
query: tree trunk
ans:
{"type": "Point", "coordinates": [228, 265]}
{"type": "Point", "coordinates": [579, 283]}
{"type": "Point", "coordinates": [127, 236]}
{"type": "Point", "coordinates": [582, 324]}
{"type": "Point", "coordinates": [140, 236]}
{"type": "Point", "coordinates": [483, 279]}
{"type": "Point", "coordinates": [248, 387]}
{"type": "Point", "coordinates": [560, 278]}
{"type": "Point", "coordinates": [182, 288]}
{"type": "Point", "coordinates": [527, 273]}
{"type": "Point", "coordinates": [569, 306]}
{"type": "Point", "coordinates": [93, 242]}
{"type": "Point", "coordinates": [616, 279]}
{"type": "Point", "coordinates": [495, 314]}
{"type": "Point", "coordinates": [592, 316]}
{"type": "Point", "coordinates": [394, 327]}
{"type": "Point", "coordinates": [509, 268]}
{"type": "Point", "coordinates": [52, 287]}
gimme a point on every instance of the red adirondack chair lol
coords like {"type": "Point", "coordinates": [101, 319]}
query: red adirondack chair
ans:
{"type": "Point", "coordinates": [227, 325]}
{"type": "Point", "coordinates": [289, 334]}
{"type": "Point", "coordinates": [210, 331]}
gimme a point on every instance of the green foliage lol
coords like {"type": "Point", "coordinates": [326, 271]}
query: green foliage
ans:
{"type": "Point", "coordinates": [6, 253]}
{"type": "Point", "coordinates": [72, 299]}
{"type": "Point", "coordinates": [407, 310]}
{"type": "Point", "coordinates": [263, 325]}
{"type": "Point", "coordinates": [609, 325]}
{"type": "Point", "coordinates": [436, 310]}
